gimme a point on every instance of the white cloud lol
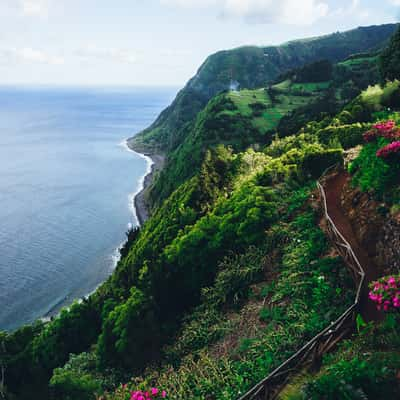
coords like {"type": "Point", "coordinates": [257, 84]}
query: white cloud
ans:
{"type": "Point", "coordinates": [295, 12]}
{"type": "Point", "coordinates": [353, 10]}
{"type": "Point", "coordinates": [108, 54]}
{"type": "Point", "coordinates": [395, 2]}
{"type": "Point", "coordinates": [25, 8]}
{"type": "Point", "coordinates": [12, 55]}
{"type": "Point", "coordinates": [190, 3]}
{"type": "Point", "coordinates": [35, 8]}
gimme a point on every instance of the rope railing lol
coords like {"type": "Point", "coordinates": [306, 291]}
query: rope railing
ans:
{"type": "Point", "coordinates": [311, 353]}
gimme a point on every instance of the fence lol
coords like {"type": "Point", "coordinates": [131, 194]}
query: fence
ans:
{"type": "Point", "coordinates": [311, 353]}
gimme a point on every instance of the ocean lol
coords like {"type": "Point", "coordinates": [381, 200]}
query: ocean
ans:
{"type": "Point", "coordinates": [67, 182]}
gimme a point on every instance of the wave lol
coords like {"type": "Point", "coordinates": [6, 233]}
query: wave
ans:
{"type": "Point", "coordinates": [116, 255]}
{"type": "Point", "coordinates": [141, 181]}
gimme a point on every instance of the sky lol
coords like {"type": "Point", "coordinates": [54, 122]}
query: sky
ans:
{"type": "Point", "coordinates": [156, 42]}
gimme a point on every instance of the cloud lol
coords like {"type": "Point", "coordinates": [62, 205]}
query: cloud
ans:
{"type": "Point", "coordinates": [353, 10]}
{"type": "Point", "coordinates": [108, 54]}
{"type": "Point", "coordinates": [293, 12]}
{"type": "Point", "coordinates": [395, 2]}
{"type": "Point", "coordinates": [12, 55]}
{"type": "Point", "coordinates": [25, 8]}
{"type": "Point", "coordinates": [190, 3]}
{"type": "Point", "coordinates": [35, 8]}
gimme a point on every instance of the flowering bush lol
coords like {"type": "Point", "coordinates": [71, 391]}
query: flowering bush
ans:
{"type": "Point", "coordinates": [153, 393]}
{"type": "Point", "coordinates": [386, 293]}
{"type": "Point", "coordinates": [384, 127]}
{"type": "Point", "coordinates": [389, 150]}
{"type": "Point", "coordinates": [387, 130]}
{"type": "Point", "coordinates": [370, 136]}
{"type": "Point", "coordinates": [125, 393]}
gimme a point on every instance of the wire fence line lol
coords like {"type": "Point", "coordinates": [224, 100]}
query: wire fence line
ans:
{"type": "Point", "coordinates": [311, 353]}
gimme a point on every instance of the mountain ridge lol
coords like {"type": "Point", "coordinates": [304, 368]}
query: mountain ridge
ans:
{"type": "Point", "coordinates": [252, 67]}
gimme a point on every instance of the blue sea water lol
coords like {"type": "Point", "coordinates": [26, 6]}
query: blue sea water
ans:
{"type": "Point", "coordinates": [66, 184]}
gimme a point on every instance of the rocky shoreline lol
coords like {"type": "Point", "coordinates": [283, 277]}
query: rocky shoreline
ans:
{"type": "Point", "coordinates": [140, 201]}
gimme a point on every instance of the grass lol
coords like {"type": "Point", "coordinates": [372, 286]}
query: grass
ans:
{"type": "Point", "coordinates": [269, 117]}
{"type": "Point", "coordinates": [288, 86]}
{"type": "Point", "coordinates": [356, 62]}
{"type": "Point", "coordinates": [364, 366]}
{"type": "Point", "coordinates": [241, 344]}
{"type": "Point", "coordinates": [311, 86]}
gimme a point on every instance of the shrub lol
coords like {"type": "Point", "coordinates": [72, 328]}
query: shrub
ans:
{"type": "Point", "coordinates": [385, 293]}
{"type": "Point", "coordinates": [387, 130]}
{"type": "Point", "coordinates": [374, 173]}
{"type": "Point", "coordinates": [371, 377]}
{"type": "Point", "coordinates": [390, 150]}
{"type": "Point", "coordinates": [67, 385]}
{"type": "Point", "coordinates": [316, 163]}
{"type": "Point", "coordinates": [389, 60]}
{"type": "Point", "coordinates": [347, 135]}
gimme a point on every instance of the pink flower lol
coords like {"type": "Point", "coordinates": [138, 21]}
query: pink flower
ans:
{"type": "Point", "coordinates": [152, 394]}
{"type": "Point", "coordinates": [389, 150]}
{"type": "Point", "coordinates": [385, 293]}
{"type": "Point", "coordinates": [387, 130]}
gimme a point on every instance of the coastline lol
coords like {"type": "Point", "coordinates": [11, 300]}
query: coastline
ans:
{"type": "Point", "coordinates": [155, 163]}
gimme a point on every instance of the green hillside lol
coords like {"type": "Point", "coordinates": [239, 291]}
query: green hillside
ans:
{"type": "Point", "coordinates": [234, 270]}
{"type": "Point", "coordinates": [251, 117]}
{"type": "Point", "coordinates": [252, 67]}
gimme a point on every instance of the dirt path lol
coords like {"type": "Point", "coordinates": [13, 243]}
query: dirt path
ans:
{"type": "Point", "coordinates": [333, 189]}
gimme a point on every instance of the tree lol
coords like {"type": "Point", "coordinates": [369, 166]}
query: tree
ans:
{"type": "Point", "coordinates": [389, 61]}
{"type": "Point", "coordinates": [130, 334]}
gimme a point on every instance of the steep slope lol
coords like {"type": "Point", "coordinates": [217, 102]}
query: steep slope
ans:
{"type": "Point", "coordinates": [251, 117]}
{"type": "Point", "coordinates": [267, 300]}
{"type": "Point", "coordinates": [251, 67]}
{"type": "Point", "coordinates": [232, 272]}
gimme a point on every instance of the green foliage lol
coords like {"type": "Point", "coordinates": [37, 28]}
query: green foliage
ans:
{"type": "Point", "coordinates": [219, 123]}
{"type": "Point", "coordinates": [234, 224]}
{"type": "Point", "coordinates": [252, 67]}
{"type": "Point", "coordinates": [316, 163]}
{"type": "Point", "coordinates": [389, 61]}
{"type": "Point", "coordinates": [69, 386]}
{"type": "Point", "coordinates": [372, 173]}
{"type": "Point", "coordinates": [281, 146]}
{"type": "Point", "coordinates": [319, 71]}
{"type": "Point", "coordinates": [373, 376]}
{"type": "Point", "coordinates": [349, 135]}
{"type": "Point", "coordinates": [356, 74]}
{"type": "Point", "coordinates": [378, 97]}
{"type": "Point", "coordinates": [206, 324]}
{"type": "Point", "coordinates": [130, 334]}
{"type": "Point", "coordinates": [321, 107]}
{"type": "Point", "coordinates": [230, 239]}
{"type": "Point", "coordinates": [300, 302]}
{"type": "Point", "coordinates": [81, 379]}
{"type": "Point", "coordinates": [23, 378]}
{"type": "Point", "coordinates": [73, 331]}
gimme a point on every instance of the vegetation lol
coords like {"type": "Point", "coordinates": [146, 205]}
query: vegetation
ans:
{"type": "Point", "coordinates": [365, 367]}
{"type": "Point", "coordinates": [390, 58]}
{"type": "Point", "coordinates": [232, 273]}
{"type": "Point", "coordinates": [377, 169]}
{"type": "Point", "coordinates": [285, 312]}
{"type": "Point", "coordinates": [252, 67]}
